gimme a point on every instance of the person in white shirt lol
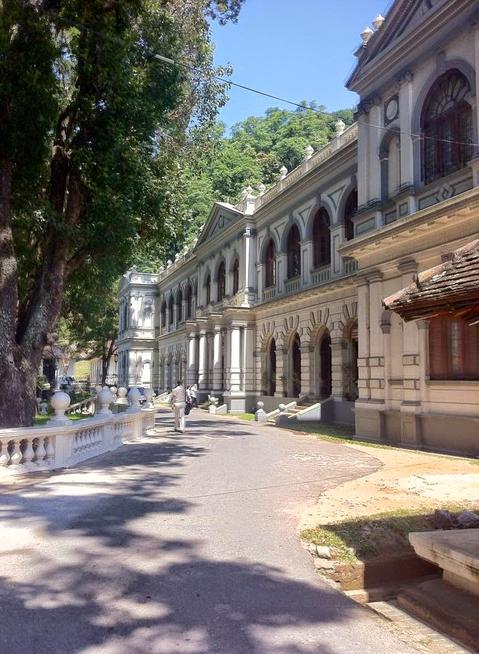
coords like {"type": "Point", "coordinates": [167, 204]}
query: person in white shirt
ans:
{"type": "Point", "coordinates": [194, 395]}
{"type": "Point", "coordinates": [178, 403]}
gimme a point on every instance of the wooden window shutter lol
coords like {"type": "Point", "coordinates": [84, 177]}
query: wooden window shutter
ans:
{"type": "Point", "coordinates": [438, 352]}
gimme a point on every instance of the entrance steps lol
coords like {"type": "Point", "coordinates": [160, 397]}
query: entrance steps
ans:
{"type": "Point", "coordinates": [304, 410]}
{"type": "Point", "coordinates": [450, 604]}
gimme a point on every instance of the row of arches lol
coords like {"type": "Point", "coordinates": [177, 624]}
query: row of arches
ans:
{"type": "Point", "coordinates": [321, 242]}
{"type": "Point", "coordinates": [221, 281]}
{"type": "Point", "coordinates": [320, 366]}
{"type": "Point", "coordinates": [183, 302]}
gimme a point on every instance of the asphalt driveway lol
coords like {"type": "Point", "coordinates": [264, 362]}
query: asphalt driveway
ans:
{"type": "Point", "coordinates": [181, 543]}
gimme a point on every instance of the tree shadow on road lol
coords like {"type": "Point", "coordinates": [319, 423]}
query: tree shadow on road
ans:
{"type": "Point", "coordinates": [101, 576]}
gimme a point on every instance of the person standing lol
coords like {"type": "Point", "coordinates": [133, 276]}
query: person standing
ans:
{"type": "Point", "coordinates": [194, 395]}
{"type": "Point", "coordinates": [178, 403]}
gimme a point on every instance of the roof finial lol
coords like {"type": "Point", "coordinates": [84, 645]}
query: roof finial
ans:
{"type": "Point", "coordinates": [308, 152]}
{"type": "Point", "coordinates": [366, 34]}
{"type": "Point", "coordinates": [378, 22]}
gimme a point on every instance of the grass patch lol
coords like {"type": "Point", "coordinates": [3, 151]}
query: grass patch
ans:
{"type": "Point", "coordinates": [344, 434]}
{"type": "Point", "coordinates": [375, 536]}
{"type": "Point", "coordinates": [243, 416]}
{"type": "Point", "coordinates": [41, 421]}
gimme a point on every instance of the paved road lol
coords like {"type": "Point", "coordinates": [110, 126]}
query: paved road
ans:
{"type": "Point", "coordinates": [180, 544]}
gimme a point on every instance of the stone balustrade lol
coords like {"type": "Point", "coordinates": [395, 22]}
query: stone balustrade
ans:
{"type": "Point", "coordinates": [62, 443]}
{"type": "Point", "coordinates": [321, 275]}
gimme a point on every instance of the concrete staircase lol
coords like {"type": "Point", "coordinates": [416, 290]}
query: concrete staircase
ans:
{"type": "Point", "coordinates": [450, 604]}
{"type": "Point", "coordinates": [293, 410]}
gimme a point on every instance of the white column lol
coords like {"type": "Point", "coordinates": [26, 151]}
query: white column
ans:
{"type": "Point", "coordinates": [363, 155]}
{"type": "Point", "coordinates": [235, 358]}
{"type": "Point", "coordinates": [192, 362]}
{"type": "Point", "coordinates": [405, 114]}
{"type": "Point", "coordinates": [375, 137]}
{"type": "Point", "coordinates": [248, 359]}
{"type": "Point", "coordinates": [217, 367]}
{"type": "Point", "coordinates": [202, 363]}
{"type": "Point", "coordinates": [209, 340]}
{"type": "Point", "coordinates": [363, 338]}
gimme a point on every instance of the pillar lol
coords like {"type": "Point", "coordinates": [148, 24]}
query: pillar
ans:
{"type": "Point", "coordinates": [235, 370]}
{"type": "Point", "coordinates": [337, 367]}
{"type": "Point", "coordinates": [307, 390]}
{"type": "Point", "coordinates": [249, 359]}
{"type": "Point", "coordinates": [376, 347]}
{"type": "Point", "coordinates": [192, 360]}
{"type": "Point", "coordinates": [202, 361]}
{"type": "Point", "coordinates": [281, 370]}
{"type": "Point", "coordinates": [209, 359]}
{"type": "Point", "coordinates": [217, 367]}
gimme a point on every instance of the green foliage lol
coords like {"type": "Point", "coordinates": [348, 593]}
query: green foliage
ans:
{"type": "Point", "coordinates": [219, 167]}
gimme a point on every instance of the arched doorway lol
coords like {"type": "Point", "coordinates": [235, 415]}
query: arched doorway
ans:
{"type": "Point", "coordinates": [295, 383]}
{"type": "Point", "coordinates": [324, 367]}
{"type": "Point", "coordinates": [271, 369]}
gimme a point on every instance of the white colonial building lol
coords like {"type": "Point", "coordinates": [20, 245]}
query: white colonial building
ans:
{"type": "Point", "coordinates": [281, 295]}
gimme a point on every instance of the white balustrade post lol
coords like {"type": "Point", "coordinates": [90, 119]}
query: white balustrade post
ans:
{"type": "Point", "coordinates": [105, 398]}
{"type": "Point", "coordinates": [15, 454]}
{"type": "Point", "coordinates": [134, 397]}
{"type": "Point", "coordinates": [149, 395]}
{"type": "Point", "coordinates": [122, 399]}
{"type": "Point", "coordinates": [59, 402]}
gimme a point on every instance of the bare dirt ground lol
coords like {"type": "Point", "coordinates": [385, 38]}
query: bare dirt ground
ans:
{"type": "Point", "coordinates": [406, 480]}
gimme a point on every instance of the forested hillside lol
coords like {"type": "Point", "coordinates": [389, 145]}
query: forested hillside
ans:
{"type": "Point", "coordinates": [222, 165]}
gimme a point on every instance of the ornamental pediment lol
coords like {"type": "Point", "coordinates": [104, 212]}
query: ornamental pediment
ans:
{"type": "Point", "coordinates": [222, 216]}
{"type": "Point", "coordinates": [404, 17]}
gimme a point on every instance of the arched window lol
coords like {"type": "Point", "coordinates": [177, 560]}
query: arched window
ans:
{"type": "Point", "coordinates": [350, 210]}
{"type": "Point", "coordinates": [321, 239]}
{"type": "Point", "coordinates": [270, 265]}
{"type": "Point", "coordinates": [179, 306]}
{"type": "Point", "coordinates": [163, 314]}
{"type": "Point", "coordinates": [294, 252]}
{"type": "Point", "coordinates": [189, 298]}
{"type": "Point", "coordinates": [170, 310]}
{"type": "Point", "coordinates": [208, 288]}
{"type": "Point", "coordinates": [221, 281]}
{"type": "Point", "coordinates": [446, 124]}
{"type": "Point", "coordinates": [236, 276]}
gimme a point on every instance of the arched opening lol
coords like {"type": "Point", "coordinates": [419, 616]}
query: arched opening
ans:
{"type": "Point", "coordinates": [270, 265]}
{"type": "Point", "coordinates": [171, 305]}
{"type": "Point", "coordinates": [321, 239]}
{"type": "Point", "coordinates": [350, 210]}
{"type": "Point", "coordinates": [179, 306]}
{"type": "Point", "coordinates": [163, 315]}
{"type": "Point", "coordinates": [208, 288]}
{"type": "Point", "coordinates": [323, 358]}
{"type": "Point", "coordinates": [351, 363]}
{"type": "Point", "coordinates": [294, 252]}
{"type": "Point", "coordinates": [189, 300]}
{"type": "Point", "coordinates": [271, 369]}
{"type": "Point", "coordinates": [236, 276]}
{"type": "Point", "coordinates": [446, 126]}
{"type": "Point", "coordinates": [295, 367]}
{"type": "Point", "coordinates": [221, 281]}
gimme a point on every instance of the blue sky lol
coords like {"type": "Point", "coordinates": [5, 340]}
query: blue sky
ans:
{"type": "Point", "coordinates": [297, 49]}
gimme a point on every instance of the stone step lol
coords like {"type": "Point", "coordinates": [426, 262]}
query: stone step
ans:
{"type": "Point", "coordinates": [446, 608]}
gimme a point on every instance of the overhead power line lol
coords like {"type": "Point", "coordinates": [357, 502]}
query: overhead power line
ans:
{"type": "Point", "coordinates": [251, 89]}
{"type": "Point", "coordinates": [302, 106]}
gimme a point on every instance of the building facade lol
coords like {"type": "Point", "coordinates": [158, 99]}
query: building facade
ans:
{"type": "Point", "coordinates": [281, 295]}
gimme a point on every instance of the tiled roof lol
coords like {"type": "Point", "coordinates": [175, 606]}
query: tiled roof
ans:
{"type": "Point", "coordinates": [451, 288]}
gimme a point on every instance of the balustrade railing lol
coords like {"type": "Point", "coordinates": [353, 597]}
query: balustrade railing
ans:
{"type": "Point", "coordinates": [321, 276]}
{"type": "Point", "coordinates": [350, 266]}
{"type": "Point", "coordinates": [63, 442]}
{"type": "Point", "coordinates": [269, 293]}
{"type": "Point", "coordinates": [291, 285]}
